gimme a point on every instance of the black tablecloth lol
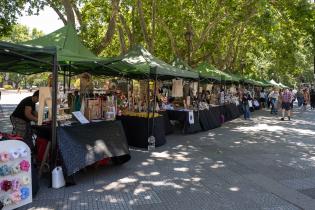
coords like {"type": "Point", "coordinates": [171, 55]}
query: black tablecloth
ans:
{"type": "Point", "coordinates": [183, 118]}
{"type": "Point", "coordinates": [231, 112]}
{"type": "Point", "coordinates": [209, 119]}
{"type": "Point", "coordinates": [83, 145]}
{"type": "Point", "coordinates": [136, 129]}
{"type": "Point", "coordinates": [167, 124]}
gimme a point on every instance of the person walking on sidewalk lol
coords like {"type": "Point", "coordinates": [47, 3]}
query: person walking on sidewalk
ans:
{"type": "Point", "coordinates": [286, 103]}
{"type": "Point", "coordinates": [300, 97]}
{"type": "Point", "coordinates": [273, 96]}
{"type": "Point", "coordinates": [262, 98]}
{"type": "Point", "coordinates": [306, 97]}
{"type": "Point", "coordinates": [245, 102]}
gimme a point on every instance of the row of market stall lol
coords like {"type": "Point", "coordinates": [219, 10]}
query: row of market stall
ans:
{"type": "Point", "coordinates": [153, 95]}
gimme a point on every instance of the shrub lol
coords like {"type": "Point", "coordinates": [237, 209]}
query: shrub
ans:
{"type": "Point", "coordinates": [7, 87]}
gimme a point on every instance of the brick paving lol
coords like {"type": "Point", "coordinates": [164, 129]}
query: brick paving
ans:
{"type": "Point", "coordinates": [261, 164]}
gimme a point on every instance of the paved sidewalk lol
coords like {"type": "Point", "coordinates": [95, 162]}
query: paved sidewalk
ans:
{"type": "Point", "coordinates": [260, 164]}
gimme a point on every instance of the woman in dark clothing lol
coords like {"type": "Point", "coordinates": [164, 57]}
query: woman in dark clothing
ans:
{"type": "Point", "coordinates": [246, 97]}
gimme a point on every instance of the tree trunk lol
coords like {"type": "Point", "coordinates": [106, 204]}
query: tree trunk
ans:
{"type": "Point", "coordinates": [78, 14]}
{"type": "Point", "coordinates": [110, 30]}
{"type": "Point", "coordinates": [69, 11]}
{"type": "Point", "coordinates": [144, 26]}
{"type": "Point", "coordinates": [127, 29]}
{"type": "Point", "coordinates": [153, 24]}
{"type": "Point", "coordinates": [58, 12]}
{"type": "Point", "coordinates": [123, 48]}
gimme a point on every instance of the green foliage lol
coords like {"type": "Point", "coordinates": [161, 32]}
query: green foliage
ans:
{"type": "Point", "coordinates": [11, 9]}
{"type": "Point", "coordinates": [7, 87]}
{"type": "Point", "coordinates": [263, 39]}
{"type": "Point", "coordinates": [21, 33]}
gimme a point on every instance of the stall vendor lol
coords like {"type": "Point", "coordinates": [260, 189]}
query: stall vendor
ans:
{"type": "Point", "coordinates": [23, 114]}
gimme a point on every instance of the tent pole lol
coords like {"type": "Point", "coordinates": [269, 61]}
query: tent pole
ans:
{"type": "Point", "coordinates": [69, 80]}
{"type": "Point", "coordinates": [198, 99]}
{"type": "Point", "coordinates": [64, 81]}
{"type": "Point", "coordinates": [154, 104]}
{"type": "Point", "coordinates": [54, 114]}
{"type": "Point", "coordinates": [148, 105]}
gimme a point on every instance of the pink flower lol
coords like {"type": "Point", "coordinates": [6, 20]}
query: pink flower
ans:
{"type": "Point", "coordinates": [4, 156]}
{"type": "Point", "coordinates": [24, 165]}
{"type": "Point", "coordinates": [16, 196]}
{"type": "Point", "coordinates": [6, 185]}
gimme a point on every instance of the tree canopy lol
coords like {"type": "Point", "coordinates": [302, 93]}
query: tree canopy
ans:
{"type": "Point", "coordinates": [263, 39]}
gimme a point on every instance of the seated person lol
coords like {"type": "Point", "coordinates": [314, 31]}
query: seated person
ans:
{"type": "Point", "coordinates": [169, 105]}
{"type": "Point", "coordinates": [23, 114]}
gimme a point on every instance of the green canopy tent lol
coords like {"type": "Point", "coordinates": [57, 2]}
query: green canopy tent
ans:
{"type": "Point", "coordinates": [33, 58]}
{"type": "Point", "coordinates": [73, 56]}
{"type": "Point", "coordinates": [255, 82]}
{"type": "Point", "coordinates": [179, 63]}
{"type": "Point", "coordinates": [207, 71]}
{"type": "Point", "coordinates": [282, 85]}
{"type": "Point", "coordinates": [274, 83]}
{"type": "Point", "coordinates": [145, 63]}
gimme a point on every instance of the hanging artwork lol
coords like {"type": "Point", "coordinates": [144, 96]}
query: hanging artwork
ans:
{"type": "Point", "coordinates": [177, 89]}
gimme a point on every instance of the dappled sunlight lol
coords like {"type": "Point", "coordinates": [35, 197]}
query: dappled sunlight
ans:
{"type": "Point", "coordinates": [183, 169]}
{"type": "Point", "coordinates": [218, 164]}
{"type": "Point", "coordinates": [164, 183]}
{"type": "Point", "coordinates": [234, 189]}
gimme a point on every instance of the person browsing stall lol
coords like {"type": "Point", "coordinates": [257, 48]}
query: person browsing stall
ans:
{"type": "Point", "coordinates": [23, 114]}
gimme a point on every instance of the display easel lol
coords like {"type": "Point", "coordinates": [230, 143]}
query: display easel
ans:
{"type": "Point", "coordinates": [44, 100]}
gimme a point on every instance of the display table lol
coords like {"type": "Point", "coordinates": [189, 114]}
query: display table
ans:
{"type": "Point", "coordinates": [167, 124]}
{"type": "Point", "coordinates": [183, 118]}
{"type": "Point", "coordinates": [231, 112]}
{"type": "Point", "coordinates": [82, 145]}
{"type": "Point", "coordinates": [136, 129]}
{"type": "Point", "coordinates": [209, 119]}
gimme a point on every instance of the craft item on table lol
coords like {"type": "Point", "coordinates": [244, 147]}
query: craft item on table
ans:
{"type": "Point", "coordinates": [6, 185]}
{"type": "Point", "coordinates": [25, 193]}
{"type": "Point", "coordinates": [194, 87]}
{"type": "Point", "coordinates": [188, 101]}
{"type": "Point", "coordinates": [186, 90]}
{"type": "Point", "coordinates": [44, 100]}
{"type": "Point", "coordinates": [157, 107]}
{"type": "Point", "coordinates": [16, 168]}
{"type": "Point", "coordinates": [5, 170]}
{"type": "Point", "coordinates": [14, 154]}
{"type": "Point", "coordinates": [177, 88]}
{"type": "Point", "coordinates": [25, 165]}
{"type": "Point", "coordinates": [209, 87]}
{"type": "Point", "coordinates": [4, 156]}
{"type": "Point", "coordinates": [203, 106]}
{"type": "Point", "coordinates": [86, 84]}
{"type": "Point", "coordinates": [26, 180]}
{"type": "Point", "coordinates": [93, 109]}
{"type": "Point", "coordinates": [191, 118]}
{"type": "Point", "coordinates": [6, 200]}
{"type": "Point", "coordinates": [16, 196]}
{"type": "Point", "coordinates": [15, 184]}
{"type": "Point", "coordinates": [23, 152]}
